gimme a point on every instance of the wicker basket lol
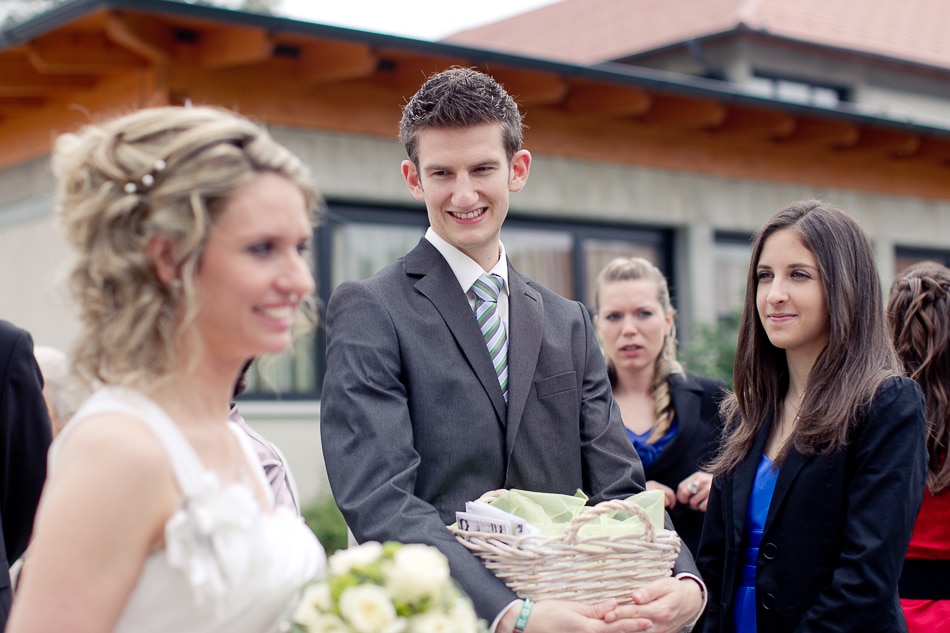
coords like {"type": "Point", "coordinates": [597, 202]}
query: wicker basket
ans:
{"type": "Point", "coordinates": [573, 567]}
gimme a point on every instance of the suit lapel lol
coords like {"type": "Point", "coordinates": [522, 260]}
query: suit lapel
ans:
{"type": "Point", "coordinates": [438, 284]}
{"type": "Point", "coordinates": [686, 396]}
{"type": "Point", "coordinates": [743, 481]}
{"type": "Point", "coordinates": [525, 327]}
{"type": "Point", "coordinates": [791, 467]}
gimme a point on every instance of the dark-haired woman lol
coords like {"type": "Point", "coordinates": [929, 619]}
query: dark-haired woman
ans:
{"type": "Point", "coordinates": [919, 317]}
{"type": "Point", "coordinates": [822, 468]}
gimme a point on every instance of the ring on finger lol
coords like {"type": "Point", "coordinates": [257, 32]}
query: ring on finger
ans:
{"type": "Point", "coordinates": [693, 487]}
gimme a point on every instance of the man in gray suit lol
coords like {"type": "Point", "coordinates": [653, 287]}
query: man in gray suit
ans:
{"type": "Point", "coordinates": [420, 414]}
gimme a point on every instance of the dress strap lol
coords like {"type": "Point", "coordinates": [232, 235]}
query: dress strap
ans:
{"type": "Point", "coordinates": [186, 464]}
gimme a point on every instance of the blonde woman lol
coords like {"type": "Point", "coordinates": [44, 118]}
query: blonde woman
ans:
{"type": "Point", "coordinates": [189, 226]}
{"type": "Point", "coordinates": [671, 417]}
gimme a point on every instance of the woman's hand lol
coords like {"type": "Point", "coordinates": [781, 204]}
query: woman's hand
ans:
{"type": "Point", "coordinates": [560, 616]}
{"type": "Point", "coordinates": [668, 605]}
{"type": "Point", "coordinates": [694, 490]}
{"type": "Point", "coordinates": [669, 497]}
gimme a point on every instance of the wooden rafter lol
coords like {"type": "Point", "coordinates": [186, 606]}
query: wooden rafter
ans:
{"type": "Point", "coordinates": [688, 113]}
{"type": "Point", "coordinates": [820, 132]}
{"type": "Point", "coordinates": [530, 88]}
{"type": "Point", "coordinates": [587, 98]}
{"type": "Point", "coordinates": [110, 60]}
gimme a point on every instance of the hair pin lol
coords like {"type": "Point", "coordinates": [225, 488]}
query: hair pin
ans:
{"type": "Point", "coordinates": [147, 180]}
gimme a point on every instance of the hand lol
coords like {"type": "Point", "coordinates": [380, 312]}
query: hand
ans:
{"type": "Point", "coordinates": [669, 497]}
{"type": "Point", "coordinates": [559, 616]}
{"type": "Point", "coordinates": [670, 605]}
{"type": "Point", "coordinates": [694, 490]}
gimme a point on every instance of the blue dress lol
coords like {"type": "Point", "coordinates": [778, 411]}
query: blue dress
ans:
{"type": "Point", "coordinates": [649, 452]}
{"type": "Point", "coordinates": [756, 513]}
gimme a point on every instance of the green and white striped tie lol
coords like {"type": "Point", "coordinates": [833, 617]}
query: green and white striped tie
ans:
{"type": "Point", "coordinates": [486, 289]}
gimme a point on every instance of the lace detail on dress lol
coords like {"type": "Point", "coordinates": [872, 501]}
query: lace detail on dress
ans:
{"type": "Point", "coordinates": [207, 538]}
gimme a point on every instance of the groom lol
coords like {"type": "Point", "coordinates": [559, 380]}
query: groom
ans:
{"type": "Point", "coordinates": [420, 414]}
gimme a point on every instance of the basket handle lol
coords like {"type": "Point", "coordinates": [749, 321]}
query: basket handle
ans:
{"type": "Point", "coordinates": [591, 512]}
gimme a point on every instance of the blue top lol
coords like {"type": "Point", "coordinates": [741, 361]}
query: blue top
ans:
{"type": "Point", "coordinates": [759, 501]}
{"type": "Point", "coordinates": [649, 452]}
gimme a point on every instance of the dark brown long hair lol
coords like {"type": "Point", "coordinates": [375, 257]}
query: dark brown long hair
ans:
{"type": "Point", "coordinates": [856, 360]}
{"type": "Point", "coordinates": [918, 314]}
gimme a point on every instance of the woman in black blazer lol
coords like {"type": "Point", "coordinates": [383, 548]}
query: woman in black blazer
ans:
{"type": "Point", "coordinates": [823, 463]}
{"type": "Point", "coordinates": [671, 417]}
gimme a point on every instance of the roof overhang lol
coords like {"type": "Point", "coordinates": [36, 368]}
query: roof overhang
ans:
{"type": "Point", "coordinates": [89, 58]}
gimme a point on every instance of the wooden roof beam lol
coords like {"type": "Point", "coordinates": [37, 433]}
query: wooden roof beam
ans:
{"type": "Point", "coordinates": [821, 132]}
{"type": "Point", "coordinates": [233, 46]}
{"type": "Point", "coordinates": [754, 122]}
{"type": "Point", "coordinates": [530, 88]}
{"type": "Point", "coordinates": [929, 148]}
{"type": "Point", "coordinates": [405, 71]}
{"type": "Point", "coordinates": [877, 140]}
{"type": "Point", "coordinates": [684, 112]}
{"type": "Point", "coordinates": [142, 35]}
{"type": "Point", "coordinates": [80, 53]}
{"type": "Point", "coordinates": [606, 100]}
{"type": "Point", "coordinates": [18, 78]}
{"type": "Point", "coordinates": [13, 105]}
{"type": "Point", "coordinates": [326, 61]}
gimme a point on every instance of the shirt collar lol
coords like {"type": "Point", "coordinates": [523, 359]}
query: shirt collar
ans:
{"type": "Point", "coordinates": [464, 267]}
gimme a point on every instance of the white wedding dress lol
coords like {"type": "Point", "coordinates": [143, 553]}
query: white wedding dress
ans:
{"type": "Point", "coordinates": [228, 565]}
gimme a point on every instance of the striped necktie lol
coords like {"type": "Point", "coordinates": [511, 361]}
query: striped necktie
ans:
{"type": "Point", "coordinates": [486, 289]}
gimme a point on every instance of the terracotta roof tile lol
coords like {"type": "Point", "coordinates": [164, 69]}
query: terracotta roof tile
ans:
{"type": "Point", "coordinates": [592, 31]}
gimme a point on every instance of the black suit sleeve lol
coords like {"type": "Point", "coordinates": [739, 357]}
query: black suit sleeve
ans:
{"type": "Point", "coordinates": [25, 437]}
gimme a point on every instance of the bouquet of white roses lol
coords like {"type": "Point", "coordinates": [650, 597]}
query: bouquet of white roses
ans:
{"type": "Point", "coordinates": [388, 588]}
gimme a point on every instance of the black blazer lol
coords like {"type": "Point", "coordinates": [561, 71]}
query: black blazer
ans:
{"type": "Point", "coordinates": [837, 528]}
{"type": "Point", "coordinates": [24, 439]}
{"type": "Point", "coordinates": [696, 402]}
{"type": "Point", "coordinates": [414, 424]}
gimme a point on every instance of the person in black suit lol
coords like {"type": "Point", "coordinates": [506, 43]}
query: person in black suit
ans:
{"type": "Point", "coordinates": [25, 436]}
{"type": "Point", "coordinates": [823, 464]}
{"type": "Point", "coordinates": [671, 417]}
{"type": "Point", "coordinates": [416, 420]}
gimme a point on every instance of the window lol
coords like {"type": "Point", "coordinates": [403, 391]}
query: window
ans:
{"type": "Point", "coordinates": [905, 257]}
{"type": "Point", "coordinates": [357, 241]}
{"type": "Point", "coordinates": [731, 255]}
{"type": "Point", "coordinates": [797, 90]}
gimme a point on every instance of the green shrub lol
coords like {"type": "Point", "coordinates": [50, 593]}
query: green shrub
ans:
{"type": "Point", "coordinates": [711, 350]}
{"type": "Point", "coordinates": [327, 523]}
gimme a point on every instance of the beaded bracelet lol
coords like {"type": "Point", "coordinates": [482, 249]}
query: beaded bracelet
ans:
{"type": "Point", "coordinates": [524, 615]}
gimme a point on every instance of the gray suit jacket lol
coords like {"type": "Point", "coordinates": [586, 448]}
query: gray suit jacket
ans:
{"type": "Point", "coordinates": [413, 422]}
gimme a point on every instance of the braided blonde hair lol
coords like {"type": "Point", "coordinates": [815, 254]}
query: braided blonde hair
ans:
{"type": "Point", "coordinates": [632, 268]}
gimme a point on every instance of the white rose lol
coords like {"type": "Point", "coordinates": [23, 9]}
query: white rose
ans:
{"type": "Point", "coordinates": [433, 622]}
{"type": "Point", "coordinates": [326, 623]}
{"type": "Point", "coordinates": [368, 609]}
{"type": "Point", "coordinates": [314, 599]}
{"type": "Point", "coordinates": [417, 572]}
{"type": "Point", "coordinates": [346, 560]}
{"type": "Point", "coordinates": [463, 614]}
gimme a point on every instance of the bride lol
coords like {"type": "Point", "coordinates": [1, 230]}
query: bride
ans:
{"type": "Point", "coordinates": [189, 227]}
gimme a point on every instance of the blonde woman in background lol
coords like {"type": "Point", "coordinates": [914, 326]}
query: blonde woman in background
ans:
{"type": "Point", "coordinates": [671, 417]}
{"type": "Point", "coordinates": [189, 226]}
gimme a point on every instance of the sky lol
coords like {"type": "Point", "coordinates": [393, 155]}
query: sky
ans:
{"type": "Point", "coordinates": [418, 19]}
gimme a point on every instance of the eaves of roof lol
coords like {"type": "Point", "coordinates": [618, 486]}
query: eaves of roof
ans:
{"type": "Point", "coordinates": [611, 72]}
